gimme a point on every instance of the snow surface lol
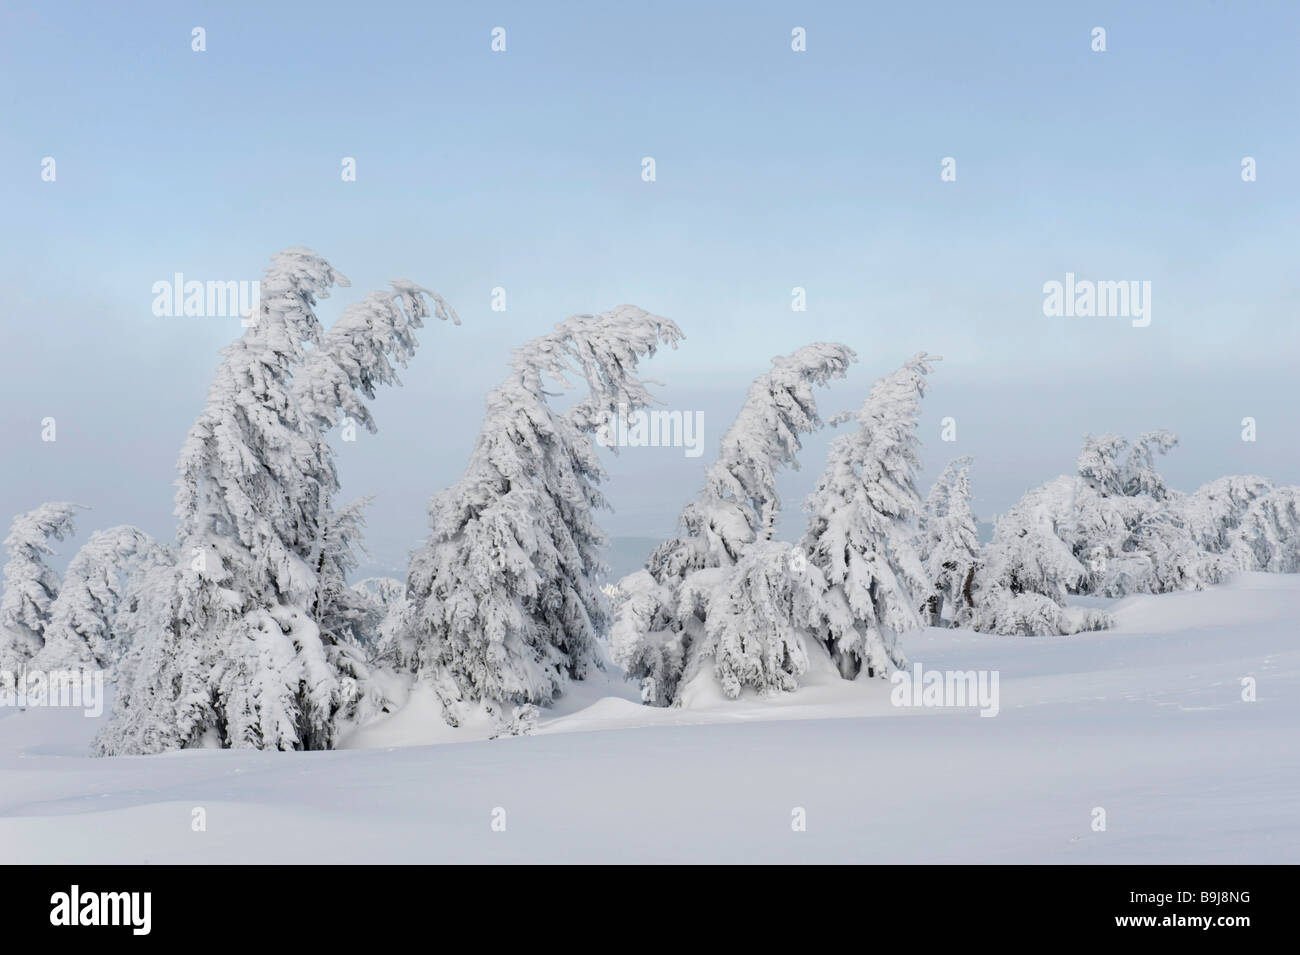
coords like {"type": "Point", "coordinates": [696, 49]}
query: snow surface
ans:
{"type": "Point", "coordinates": [1146, 721]}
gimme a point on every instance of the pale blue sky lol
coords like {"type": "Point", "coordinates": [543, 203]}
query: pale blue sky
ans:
{"type": "Point", "coordinates": [775, 169]}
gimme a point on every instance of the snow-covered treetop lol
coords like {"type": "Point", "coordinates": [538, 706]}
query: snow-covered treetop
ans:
{"type": "Point", "coordinates": [739, 503]}
{"type": "Point", "coordinates": [953, 481]}
{"type": "Point", "coordinates": [604, 351]}
{"type": "Point", "coordinates": [887, 443]}
{"type": "Point", "coordinates": [1099, 463]}
{"type": "Point", "coordinates": [290, 287]}
{"type": "Point", "coordinates": [1215, 510]}
{"type": "Point", "coordinates": [363, 349]}
{"type": "Point", "coordinates": [874, 466]}
{"type": "Point", "coordinates": [1140, 476]}
{"type": "Point", "coordinates": [947, 521]}
{"type": "Point", "coordinates": [30, 532]}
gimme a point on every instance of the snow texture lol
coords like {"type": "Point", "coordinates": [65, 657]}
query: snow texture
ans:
{"type": "Point", "coordinates": [1146, 720]}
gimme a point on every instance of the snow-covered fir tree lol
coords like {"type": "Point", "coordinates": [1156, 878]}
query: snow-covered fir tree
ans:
{"type": "Point", "coordinates": [30, 584]}
{"type": "Point", "coordinates": [665, 607]}
{"type": "Point", "coordinates": [1269, 535]}
{"type": "Point", "coordinates": [950, 546]}
{"type": "Point", "coordinates": [237, 661]}
{"type": "Point", "coordinates": [1213, 514]}
{"type": "Point", "coordinates": [101, 581]}
{"type": "Point", "coordinates": [861, 533]}
{"type": "Point", "coordinates": [240, 658]}
{"type": "Point", "coordinates": [760, 619]}
{"type": "Point", "coordinates": [503, 604]}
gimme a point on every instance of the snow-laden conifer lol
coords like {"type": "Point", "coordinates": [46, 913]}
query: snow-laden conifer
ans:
{"type": "Point", "coordinates": [760, 620]}
{"type": "Point", "coordinates": [237, 661]}
{"type": "Point", "coordinates": [249, 650]}
{"type": "Point", "coordinates": [30, 584]}
{"type": "Point", "coordinates": [503, 604]}
{"type": "Point", "coordinates": [101, 581]}
{"type": "Point", "coordinates": [1213, 514]}
{"type": "Point", "coordinates": [949, 546]}
{"type": "Point", "coordinates": [861, 533]}
{"type": "Point", "coordinates": [1269, 535]}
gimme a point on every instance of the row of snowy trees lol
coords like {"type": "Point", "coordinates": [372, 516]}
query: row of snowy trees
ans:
{"type": "Point", "coordinates": [245, 632]}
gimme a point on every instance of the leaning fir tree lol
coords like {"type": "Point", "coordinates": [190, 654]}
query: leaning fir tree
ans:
{"type": "Point", "coordinates": [503, 606]}
{"type": "Point", "coordinates": [239, 657]}
{"type": "Point", "coordinates": [861, 534]}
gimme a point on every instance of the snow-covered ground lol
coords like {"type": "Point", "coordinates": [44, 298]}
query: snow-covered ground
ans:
{"type": "Point", "coordinates": [1146, 721]}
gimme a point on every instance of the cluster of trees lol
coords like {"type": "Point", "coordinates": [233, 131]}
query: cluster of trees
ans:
{"type": "Point", "coordinates": [1115, 528]}
{"type": "Point", "coordinates": [245, 632]}
{"type": "Point", "coordinates": [725, 604]}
